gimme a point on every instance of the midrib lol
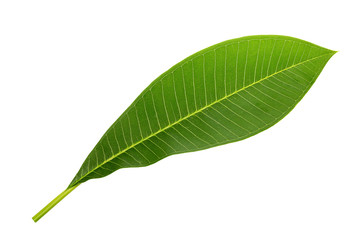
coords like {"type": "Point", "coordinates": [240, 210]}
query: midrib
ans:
{"type": "Point", "coordinates": [194, 113]}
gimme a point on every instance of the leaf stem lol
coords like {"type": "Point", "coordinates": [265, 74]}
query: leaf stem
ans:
{"type": "Point", "coordinates": [53, 203]}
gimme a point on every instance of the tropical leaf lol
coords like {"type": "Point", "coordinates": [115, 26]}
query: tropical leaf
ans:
{"type": "Point", "coordinates": [224, 93]}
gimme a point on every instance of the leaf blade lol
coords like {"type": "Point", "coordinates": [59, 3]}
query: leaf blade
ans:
{"type": "Point", "coordinates": [218, 93]}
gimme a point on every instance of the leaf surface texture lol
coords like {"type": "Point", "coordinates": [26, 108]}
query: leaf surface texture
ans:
{"type": "Point", "coordinates": [224, 93]}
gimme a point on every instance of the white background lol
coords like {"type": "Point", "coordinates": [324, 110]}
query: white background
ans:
{"type": "Point", "coordinates": [68, 69]}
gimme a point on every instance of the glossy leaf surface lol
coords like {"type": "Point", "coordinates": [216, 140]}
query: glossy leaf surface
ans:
{"type": "Point", "coordinates": [222, 94]}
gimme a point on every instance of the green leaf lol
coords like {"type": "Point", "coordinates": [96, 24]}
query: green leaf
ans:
{"type": "Point", "coordinates": [224, 93]}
